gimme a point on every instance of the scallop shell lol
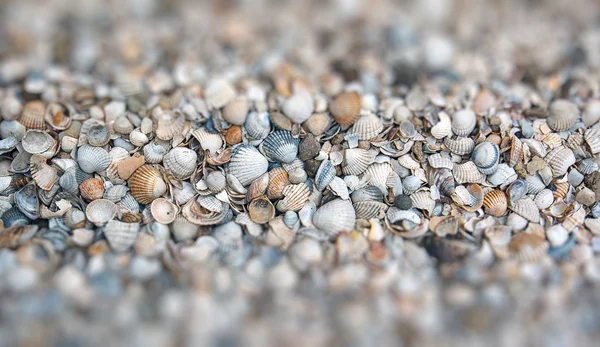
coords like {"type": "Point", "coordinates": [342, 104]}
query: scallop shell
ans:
{"type": "Point", "coordinates": [467, 173]}
{"type": "Point", "coordinates": [324, 175]}
{"type": "Point", "coordinates": [356, 160]}
{"type": "Point", "coordinates": [368, 193]}
{"type": "Point", "coordinates": [14, 217]}
{"type": "Point", "coordinates": [32, 116]}
{"type": "Point", "coordinates": [101, 211]}
{"type": "Point", "coordinates": [98, 135]}
{"type": "Point", "coordinates": [92, 189]}
{"type": "Point", "coordinates": [257, 125]}
{"type": "Point", "coordinates": [423, 201]}
{"type": "Point", "coordinates": [261, 210]}
{"type": "Point", "coordinates": [592, 138]}
{"type": "Point", "coordinates": [560, 159]}
{"type": "Point", "coordinates": [181, 162]}
{"type": "Point", "coordinates": [495, 203]}
{"type": "Point", "coordinates": [169, 125]}
{"type": "Point", "coordinates": [440, 160]}
{"type": "Point", "coordinates": [534, 184]}
{"type": "Point", "coordinates": [486, 156]}
{"type": "Point", "coordinates": [235, 111]}
{"type": "Point", "coordinates": [345, 108]}
{"type": "Point", "coordinates": [218, 93]}
{"type": "Point", "coordinates": [298, 107]}
{"type": "Point", "coordinates": [544, 199]}
{"type": "Point", "coordinates": [367, 127]}
{"type": "Point", "coordinates": [37, 141]}
{"type": "Point", "coordinates": [379, 173]}
{"type": "Point", "coordinates": [43, 174]}
{"type": "Point", "coordinates": [208, 141]}
{"type": "Point", "coordinates": [278, 179]}
{"type": "Point", "coordinates": [370, 209]}
{"type": "Point", "coordinates": [280, 146]}
{"type": "Point", "coordinates": [257, 187]}
{"type": "Point", "coordinates": [562, 115]}
{"type": "Point", "coordinates": [334, 217]}
{"type": "Point", "coordinates": [146, 184]}
{"type": "Point", "coordinates": [460, 145]}
{"type": "Point", "coordinates": [163, 211]}
{"type": "Point", "coordinates": [154, 153]}
{"type": "Point", "coordinates": [588, 166]}
{"type": "Point", "coordinates": [464, 122]}
{"type": "Point", "coordinates": [121, 236]}
{"type": "Point", "coordinates": [442, 128]}
{"type": "Point", "coordinates": [247, 164]}
{"type": "Point", "coordinates": [12, 128]}
{"type": "Point", "coordinates": [410, 184]}
{"type": "Point", "coordinates": [93, 159]}
{"type": "Point", "coordinates": [295, 196]}
{"type": "Point", "coordinates": [527, 209]}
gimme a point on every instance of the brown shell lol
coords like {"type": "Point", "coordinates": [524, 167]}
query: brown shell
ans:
{"type": "Point", "coordinates": [147, 184]}
{"type": "Point", "coordinates": [261, 210]}
{"type": "Point", "coordinates": [92, 188]}
{"type": "Point", "coordinates": [495, 203]}
{"type": "Point", "coordinates": [528, 246]}
{"type": "Point", "coordinates": [345, 108]}
{"type": "Point", "coordinates": [233, 135]}
{"type": "Point", "coordinates": [278, 179]}
{"type": "Point", "coordinates": [32, 116]}
{"type": "Point", "coordinates": [561, 191]}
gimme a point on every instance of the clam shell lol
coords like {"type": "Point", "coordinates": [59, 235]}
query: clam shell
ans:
{"type": "Point", "coordinates": [318, 123]}
{"type": "Point", "coordinates": [298, 107]}
{"type": "Point", "coordinates": [440, 160]}
{"type": "Point", "coordinates": [460, 145]}
{"type": "Point", "coordinates": [467, 173]}
{"type": "Point", "coordinates": [257, 187]}
{"type": "Point", "coordinates": [527, 209]}
{"type": "Point", "coordinates": [121, 236]}
{"type": "Point", "coordinates": [208, 141]}
{"type": "Point", "coordinates": [334, 217]}
{"type": "Point", "coordinates": [218, 93]}
{"type": "Point", "coordinates": [122, 125]}
{"type": "Point", "coordinates": [235, 111]}
{"type": "Point", "coordinates": [379, 174]}
{"type": "Point", "coordinates": [592, 138]}
{"type": "Point", "coordinates": [443, 226]}
{"type": "Point", "coordinates": [486, 156]}
{"type": "Point", "coordinates": [370, 209]}
{"type": "Point", "coordinates": [257, 125]}
{"type": "Point", "coordinates": [503, 176]}
{"type": "Point", "coordinates": [356, 160]}
{"type": "Point", "coordinates": [588, 166]}
{"type": "Point", "coordinates": [14, 217]}
{"type": "Point", "coordinates": [345, 108]}
{"type": "Point", "coordinates": [93, 159]}
{"type": "Point", "coordinates": [368, 193]}
{"type": "Point", "coordinates": [469, 198]}
{"type": "Point", "coordinates": [324, 175]}
{"type": "Point", "coordinates": [442, 128]}
{"type": "Point", "coordinates": [216, 181]}
{"type": "Point", "coordinates": [367, 127]}
{"type": "Point", "coordinates": [295, 196]}
{"type": "Point", "coordinates": [290, 218]}
{"type": "Point", "coordinates": [101, 211]}
{"type": "Point", "coordinates": [261, 210]}
{"type": "Point", "coordinates": [195, 213]}
{"type": "Point", "coordinates": [408, 162]}
{"type": "Point", "coordinates": [495, 203]}
{"type": "Point", "coordinates": [12, 237]}
{"type": "Point", "coordinates": [37, 141]}
{"type": "Point", "coordinates": [562, 115]}
{"type": "Point", "coordinates": [534, 184]}
{"type": "Point", "coordinates": [27, 201]}
{"type": "Point", "coordinates": [280, 146]}
{"type": "Point", "coordinates": [463, 122]}
{"type": "Point", "coordinates": [410, 184]}
{"type": "Point", "coordinates": [297, 175]}
{"type": "Point", "coordinates": [181, 162]}
{"type": "Point", "coordinates": [544, 199]}
{"type": "Point", "coordinates": [146, 184]}
{"type": "Point", "coordinates": [247, 164]}
{"type": "Point", "coordinates": [58, 116]}
{"type": "Point", "coordinates": [92, 189]}
{"type": "Point", "coordinates": [12, 128]}
{"type": "Point", "coordinates": [116, 193]}
{"type": "Point", "coordinates": [169, 125]}
{"type": "Point", "coordinates": [98, 135]}
{"type": "Point", "coordinates": [32, 116]}
{"type": "Point", "coordinates": [154, 153]}
{"type": "Point", "coordinates": [43, 174]}
{"type": "Point", "coordinates": [182, 229]}
{"type": "Point", "coordinates": [163, 211]}
{"type": "Point", "coordinates": [560, 159]}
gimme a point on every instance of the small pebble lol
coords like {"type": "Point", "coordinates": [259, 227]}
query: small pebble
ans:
{"type": "Point", "coordinates": [403, 202]}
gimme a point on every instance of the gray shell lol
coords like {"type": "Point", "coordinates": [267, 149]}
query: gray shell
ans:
{"type": "Point", "coordinates": [486, 156]}
{"type": "Point", "coordinates": [247, 164]}
{"type": "Point", "coordinates": [280, 146]}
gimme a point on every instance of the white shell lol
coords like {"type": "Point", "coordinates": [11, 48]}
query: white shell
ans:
{"type": "Point", "coordinates": [367, 127]}
{"type": "Point", "coordinates": [356, 160]}
{"type": "Point", "coordinates": [560, 159]}
{"type": "Point", "coordinates": [486, 156]}
{"type": "Point", "coordinates": [37, 141]}
{"type": "Point", "coordinates": [464, 122]}
{"type": "Point", "coordinates": [163, 211]}
{"type": "Point", "coordinates": [208, 141]}
{"type": "Point", "coordinates": [121, 236]}
{"type": "Point", "coordinates": [299, 107]}
{"type": "Point", "coordinates": [101, 211]}
{"type": "Point", "coordinates": [181, 162]}
{"type": "Point", "coordinates": [218, 93]}
{"type": "Point", "coordinates": [544, 199]}
{"type": "Point", "coordinates": [467, 173]}
{"type": "Point", "coordinates": [334, 217]}
{"type": "Point", "coordinates": [247, 164]}
{"type": "Point", "coordinates": [93, 159]}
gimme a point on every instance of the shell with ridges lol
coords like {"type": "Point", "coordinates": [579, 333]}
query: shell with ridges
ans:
{"type": "Point", "coordinates": [467, 173]}
{"type": "Point", "coordinates": [345, 108]}
{"type": "Point", "coordinates": [527, 209]}
{"type": "Point", "coordinates": [169, 125]}
{"type": "Point", "coordinates": [280, 146]}
{"type": "Point", "coordinates": [367, 127]}
{"type": "Point", "coordinates": [247, 164]}
{"type": "Point", "coordinates": [93, 159]}
{"type": "Point", "coordinates": [356, 160]}
{"type": "Point", "coordinates": [464, 122]}
{"type": "Point", "coordinates": [147, 184]}
{"type": "Point", "coordinates": [560, 159]}
{"type": "Point", "coordinates": [43, 174]}
{"type": "Point", "coordinates": [460, 145]}
{"type": "Point", "coordinates": [92, 189]}
{"type": "Point", "coordinates": [261, 210]}
{"type": "Point", "coordinates": [324, 175]}
{"type": "Point", "coordinates": [121, 236]}
{"type": "Point", "coordinates": [208, 141]}
{"type": "Point", "coordinates": [495, 203]}
{"type": "Point", "coordinates": [370, 209]}
{"type": "Point", "coordinates": [257, 125]}
{"type": "Point", "coordinates": [37, 141]}
{"type": "Point", "coordinates": [295, 196]}
{"type": "Point", "coordinates": [486, 156]}
{"type": "Point", "coordinates": [562, 115]}
{"type": "Point", "coordinates": [218, 93]}
{"type": "Point", "coordinates": [101, 211]}
{"type": "Point", "coordinates": [334, 217]}
{"type": "Point", "coordinates": [32, 116]}
{"type": "Point", "coordinates": [181, 162]}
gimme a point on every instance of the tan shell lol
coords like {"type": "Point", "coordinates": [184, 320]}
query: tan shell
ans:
{"type": "Point", "coordinates": [233, 135]}
{"type": "Point", "coordinates": [345, 108]}
{"type": "Point", "coordinates": [460, 145]}
{"type": "Point", "coordinates": [467, 173]}
{"type": "Point", "coordinates": [560, 159]}
{"type": "Point", "coordinates": [495, 203]}
{"type": "Point", "coordinates": [527, 209]}
{"type": "Point", "coordinates": [146, 184]}
{"type": "Point", "coordinates": [318, 123]}
{"type": "Point", "coordinates": [121, 236]}
{"type": "Point", "coordinates": [469, 198]}
{"type": "Point", "coordinates": [32, 116]}
{"type": "Point", "coordinates": [561, 191]}
{"type": "Point", "coordinates": [100, 211]}
{"type": "Point", "coordinates": [261, 210]}
{"type": "Point", "coordinates": [92, 189]}
{"type": "Point", "coordinates": [295, 196]}
{"type": "Point", "coordinates": [484, 100]}
{"type": "Point", "coordinates": [218, 93]}
{"type": "Point", "coordinates": [515, 154]}
{"type": "Point", "coordinates": [257, 187]}
{"type": "Point", "coordinates": [443, 226]}
{"type": "Point", "coordinates": [562, 115]}
{"type": "Point", "coordinates": [126, 167]}
{"type": "Point", "coordinates": [43, 174]}
{"type": "Point", "coordinates": [528, 247]}
{"type": "Point", "coordinates": [98, 135]}
{"type": "Point", "coordinates": [356, 160]}
{"type": "Point", "coordinates": [122, 125]}
{"type": "Point", "coordinates": [367, 127]}
{"type": "Point", "coordinates": [278, 179]}
{"type": "Point", "coordinates": [163, 211]}
{"type": "Point", "coordinates": [544, 199]}
{"type": "Point", "coordinates": [168, 125]}
{"type": "Point", "coordinates": [235, 111]}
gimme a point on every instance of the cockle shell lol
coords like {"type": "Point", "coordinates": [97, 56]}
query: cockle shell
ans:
{"type": "Point", "coordinates": [334, 217]}
{"type": "Point", "coordinates": [92, 189]}
{"type": "Point", "coordinates": [527, 209]}
{"type": "Point", "coordinates": [32, 116]}
{"type": "Point", "coordinates": [503, 176]}
{"type": "Point", "coordinates": [247, 164]}
{"type": "Point", "coordinates": [370, 209]}
{"type": "Point", "coordinates": [37, 141]}
{"type": "Point", "coordinates": [367, 127]}
{"type": "Point", "coordinates": [379, 174]}
{"type": "Point", "coordinates": [43, 174]}
{"type": "Point", "coordinates": [345, 108]}
{"type": "Point", "coordinates": [324, 175]}
{"type": "Point", "coordinates": [154, 153]}
{"type": "Point", "coordinates": [356, 160]}
{"type": "Point", "coordinates": [216, 181]}
{"type": "Point", "coordinates": [100, 211]}
{"type": "Point", "coordinates": [121, 236]}
{"type": "Point", "coordinates": [261, 210]}
{"type": "Point", "coordinates": [169, 125]}
{"type": "Point", "coordinates": [318, 123]}
{"type": "Point", "coordinates": [278, 179]}
{"type": "Point", "coordinates": [467, 173]}
{"type": "Point", "coordinates": [442, 128]}
{"type": "Point", "coordinates": [469, 198]}
{"type": "Point", "coordinates": [463, 122]}
{"type": "Point", "coordinates": [208, 141]}
{"type": "Point", "coordinates": [298, 107]}
{"type": "Point", "coordinates": [27, 201]}
{"type": "Point", "coordinates": [295, 196]}
{"type": "Point", "coordinates": [181, 162]}
{"type": "Point", "coordinates": [12, 128]}
{"type": "Point", "coordinates": [182, 229]}
{"type": "Point", "coordinates": [257, 125]}
{"type": "Point", "coordinates": [280, 146]}
{"type": "Point", "coordinates": [194, 212]}
{"type": "Point", "coordinates": [440, 160]}
{"type": "Point", "coordinates": [495, 203]}
{"type": "Point", "coordinates": [163, 211]}
{"type": "Point", "coordinates": [98, 135]}
{"type": "Point", "coordinates": [560, 159]}
{"type": "Point", "coordinates": [544, 199]}
{"type": "Point", "coordinates": [592, 138]}
{"type": "Point", "coordinates": [297, 175]}
{"type": "Point", "coordinates": [235, 111]}
{"type": "Point", "coordinates": [460, 145]}
{"type": "Point", "coordinates": [442, 226]}
{"type": "Point", "coordinates": [218, 93]}
{"type": "Point", "coordinates": [411, 184]}
{"type": "Point", "coordinates": [147, 184]}
{"type": "Point", "coordinates": [93, 159]}
{"type": "Point", "coordinates": [58, 116]}
{"type": "Point", "coordinates": [562, 115]}
{"type": "Point", "coordinates": [486, 156]}
{"type": "Point", "coordinates": [423, 200]}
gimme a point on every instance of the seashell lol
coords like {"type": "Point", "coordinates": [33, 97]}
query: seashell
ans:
{"type": "Point", "coordinates": [169, 125]}
{"type": "Point", "coordinates": [37, 141]}
{"type": "Point", "coordinates": [14, 217]}
{"type": "Point", "coordinates": [544, 199]}
{"type": "Point", "coordinates": [101, 211]}
{"type": "Point", "coordinates": [370, 209]}
{"type": "Point", "coordinates": [345, 108]}
{"type": "Point", "coordinates": [27, 201]}
{"type": "Point", "coordinates": [280, 146]}
{"type": "Point", "coordinates": [408, 162]}
{"type": "Point", "coordinates": [356, 160]}
{"type": "Point", "coordinates": [295, 196]}
{"type": "Point", "coordinates": [93, 159]}
{"type": "Point", "coordinates": [560, 159]}
{"type": "Point", "coordinates": [484, 100]}
{"type": "Point", "coordinates": [516, 190]}
{"type": "Point", "coordinates": [235, 111]}
{"type": "Point", "coordinates": [297, 175]}
{"type": "Point", "coordinates": [324, 175]}
{"type": "Point", "coordinates": [43, 174]}
{"type": "Point", "coordinates": [592, 138]}
{"type": "Point", "coordinates": [14, 236]}
{"type": "Point", "coordinates": [122, 125]}
{"type": "Point", "coordinates": [339, 188]}
{"type": "Point", "coordinates": [98, 135]}
{"type": "Point", "coordinates": [233, 136]}
{"type": "Point", "coordinates": [463, 122]}
{"type": "Point", "coordinates": [163, 211]}
{"type": "Point", "coordinates": [261, 210]}
{"type": "Point", "coordinates": [229, 236]}
{"type": "Point", "coordinates": [588, 166]}
{"type": "Point", "coordinates": [515, 154]}
{"type": "Point", "coordinates": [528, 247]}
{"type": "Point", "coordinates": [182, 229]}
{"type": "Point", "coordinates": [12, 128]}
{"type": "Point", "coordinates": [257, 187]}
{"type": "Point", "coordinates": [562, 115]}
{"type": "Point", "coordinates": [247, 164]}
{"type": "Point", "coordinates": [553, 140]}
{"type": "Point", "coordinates": [195, 213]}
{"type": "Point", "coordinates": [216, 181]}
{"type": "Point", "coordinates": [208, 141]}
{"type": "Point", "coordinates": [368, 193]}
{"type": "Point", "coordinates": [486, 156]}
{"type": "Point", "coordinates": [561, 190]}
{"type": "Point", "coordinates": [460, 145]}
{"type": "Point", "coordinates": [527, 209]}
{"type": "Point", "coordinates": [299, 107]}
{"type": "Point", "coordinates": [367, 127]}
{"type": "Point", "coordinates": [495, 203]}
{"type": "Point", "coordinates": [181, 162]}
{"type": "Point", "coordinates": [443, 226]}
{"type": "Point", "coordinates": [290, 218]}
{"type": "Point", "coordinates": [591, 114]}
{"type": "Point", "coordinates": [146, 184]}
{"type": "Point", "coordinates": [218, 93]}
{"type": "Point", "coordinates": [503, 176]}
{"type": "Point", "coordinates": [379, 174]}
{"type": "Point", "coordinates": [126, 167]}
{"type": "Point", "coordinates": [534, 184]}
{"type": "Point", "coordinates": [334, 217]}
{"type": "Point", "coordinates": [257, 125]}
{"type": "Point", "coordinates": [439, 160]}
{"type": "Point", "coordinates": [411, 184]}
{"type": "Point", "coordinates": [121, 236]}
{"type": "Point", "coordinates": [138, 139]}
{"type": "Point", "coordinates": [442, 128]}
{"type": "Point", "coordinates": [58, 116]}
{"type": "Point", "coordinates": [469, 198]}
{"type": "Point", "coordinates": [116, 193]}
{"type": "Point", "coordinates": [404, 222]}
{"type": "Point", "coordinates": [467, 173]}
{"type": "Point", "coordinates": [253, 229]}
{"type": "Point", "coordinates": [317, 124]}
{"type": "Point", "coordinates": [407, 129]}
{"type": "Point", "coordinates": [92, 189]}
{"type": "Point", "coordinates": [32, 116]}
{"type": "Point", "coordinates": [154, 153]}
{"type": "Point", "coordinates": [423, 201]}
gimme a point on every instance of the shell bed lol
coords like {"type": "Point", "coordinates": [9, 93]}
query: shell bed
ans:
{"type": "Point", "coordinates": [306, 173]}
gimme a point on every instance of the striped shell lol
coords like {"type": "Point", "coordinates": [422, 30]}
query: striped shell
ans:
{"type": "Point", "coordinates": [592, 138]}
{"type": "Point", "coordinates": [37, 141]}
{"type": "Point", "coordinates": [460, 145]}
{"type": "Point", "coordinates": [181, 162]}
{"type": "Point", "coordinates": [345, 108]}
{"type": "Point", "coordinates": [334, 217]}
{"type": "Point", "coordinates": [562, 115]}
{"type": "Point", "coordinates": [486, 156]}
{"type": "Point", "coordinates": [370, 209]}
{"type": "Point", "coordinates": [93, 159]}
{"type": "Point", "coordinates": [169, 125]}
{"type": "Point", "coordinates": [100, 211]}
{"type": "Point", "coordinates": [463, 122]}
{"type": "Point", "coordinates": [467, 173]}
{"type": "Point", "coordinates": [528, 247]}
{"type": "Point", "coordinates": [324, 175]}
{"type": "Point", "coordinates": [92, 189]}
{"type": "Point", "coordinates": [356, 160]}
{"type": "Point", "coordinates": [295, 196]}
{"type": "Point", "coordinates": [247, 164]}
{"type": "Point", "coordinates": [278, 179]}
{"type": "Point", "coordinates": [280, 146]}
{"type": "Point", "coordinates": [43, 174]}
{"type": "Point", "coordinates": [121, 236]}
{"type": "Point", "coordinates": [32, 116]}
{"type": "Point", "coordinates": [527, 209]}
{"type": "Point", "coordinates": [442, 128]}
{"type": "Point", "coordinates": [257, 125]}
{"type": "Point", "coordinates": [544, 199]}
{"type": "Point", "coordinates": [367, 127]}
{"type": "Point", "coordinates": [379, 174]}
{"type": "Point", "coordinates": [208, 141]}
{"type": "Point", "coordinates": [495, 203]}
{"type": "Point", "coordinates": [423, 201]}
{"type": "Point", "coordinates": [368, 193]}
{"type": "Point", "coordinates": [560, 159]}
{"type": "Point", "coordinates": [154, 153]}
{"type": "Point", "coordinates": [147, 184]}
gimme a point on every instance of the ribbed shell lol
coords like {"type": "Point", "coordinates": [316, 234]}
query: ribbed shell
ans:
{"type": "Point", "coordinates": [534, 184]}
{"type": "Point", "coordinates": [168, 125]}
{"type": "Point", "coordinates": [247, 164]}
{"type": "Point", "coordinates": [181, 162]}
{"type": "Point", "coordinates": [503, 176]}
{"type": "Point", "coordinates": [32, 116]}
{"type": "Point", "coordinates": [146, 184]}
{"type": "Point", "coordinates": [560, 159]}
{"type": "Point", "coordinates": [257, 125]}
{"type": "Point", "coordinates": [43, 174]}
{"type": "Point", "coordinates": [334, 217]}
{"type": "Point", "coordinates": [154, 153]}
{"type": "Point", "coordinates": [544, 199]}
{"type": "Point", "coordinates": [423, 201]}
{"type": "Point", "coordinates": [440, 160]}
{"type": "Point", "coordinates": [356, 160]}
{"type": "Point", "coordinates": [295, 196]}
{"type": "Point", "coordinates": [367, 127]}
{"type": "Point", "coordinates": [486, 156]}
{"type": "Point", "coordinates": [93, 159]}
{"type": "Point", "coordinates": [527, 209]}
{"type": "Point", "coordinates": [467, 173]}
{"type": "Point", "coordinates": [368, 193]}
{"type": "Point", "coordinates": [126, 167]}
{"type": "Point", "coordinates": [464, 122]}
{"type": "Point", "coordinates": [235, 111]}
{"type": "Point", "coordinates": [121, 236]}
{"type": "Point", "coordinates": [280, 146]}
{"type": "Point", "coordinates": [587, 166]}
{"type": "Point", "coordinates": [528, 246]}
{"type": "Point", "coordinates": [562, 115]}
{"type": "Point", "coordinates": [460, 145]}
{"type": "Point", "coordinates": [92, 189]}
{"type": "Point", "coordinates": [216, 181]}
{"type": "Point", "coordinates": [101, 211]}
{"type": "Point", "coordinates": [592, 138]}
{"type": "Point", "coordinates": [324, 175]}
{"type": "Point", "coordinates": [379, 174]}
{"type": "Point", "coordinates": [410, 184]}
{"type": "Point", "coordinates": [442, 128]}
{"type": "Point", "coordinates": [37, 141]}
{"type": "Point", "coordinates": [208, 141]}
{"type": "Point", "coordinates": [370, 209]}
{"type": "Point", "coordinates": [345, 108]}
{"type": "Point", "coordinates": [278, 179]}
{"type": "Point", "coordinates": [495, 203]}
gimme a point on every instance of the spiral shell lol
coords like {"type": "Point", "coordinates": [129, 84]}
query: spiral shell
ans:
{"type": "Point", "coordinates": [247, 164]}
{"type": "Point", "coordinates": [345, 108]}
{"type": "Point", "coordinates": [146, 184]}
{"type": "Point", "coordinates": [280, 146]}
